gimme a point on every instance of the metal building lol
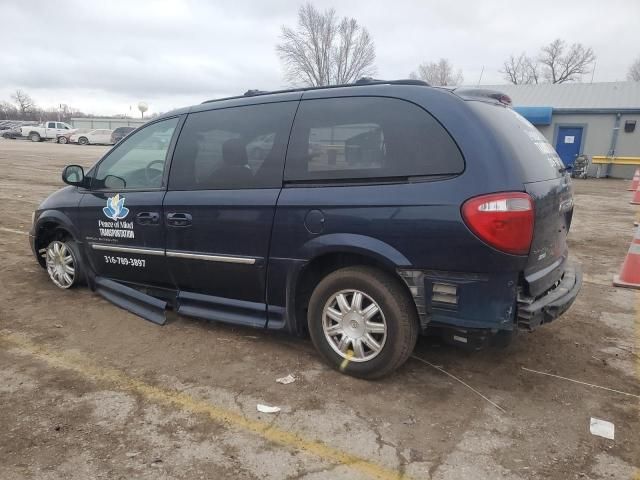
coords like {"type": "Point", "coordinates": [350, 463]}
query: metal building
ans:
{"type": "Point", "coordinates": [600, 120]}
{"type": "Point", "coordinates": [110, 123]}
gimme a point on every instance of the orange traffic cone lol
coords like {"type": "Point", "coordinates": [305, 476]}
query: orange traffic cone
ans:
{"type": "Point", "coordinates": [636, 197]}
{"type": "Point", "coordinates": [635, 182]}
{"type": "Point", "coordinates": [630, 272]}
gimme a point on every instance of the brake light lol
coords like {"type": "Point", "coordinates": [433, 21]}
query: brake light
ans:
{"type": "Point", "coordinates": [502, 98]}
{"type": "Point", "coordinates": [502, 220]}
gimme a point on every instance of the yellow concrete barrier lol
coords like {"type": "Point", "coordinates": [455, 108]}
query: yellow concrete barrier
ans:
{"type": "Point", "coordinates": [600, 159]}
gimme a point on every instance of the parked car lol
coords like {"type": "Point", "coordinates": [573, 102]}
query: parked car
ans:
{"type": "Point", "coordinates": [45, 131]}
{"type": "Point", "coordinates": [66, 137]}
{"type": "Point", "coordinates": [100, 136]}
{"type": "Point", "coordinates": [119, 133]}
{"type": "Point", "coordinates": [381, 211]}
{"type": "Point", "coordinates": [11, 133]}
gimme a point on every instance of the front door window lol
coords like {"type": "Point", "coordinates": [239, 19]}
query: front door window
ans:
{"type": "Point", "coordinates": [138, 162]}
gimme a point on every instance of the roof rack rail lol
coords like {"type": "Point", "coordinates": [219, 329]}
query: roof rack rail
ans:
{"type": "Point", "coordinates": [363, 81]}
{"type": "Point", "coordinates": [403, 81]}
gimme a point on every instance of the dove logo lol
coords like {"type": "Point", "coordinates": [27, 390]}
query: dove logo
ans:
{"type": "Point", "coordinates": [115, 209]}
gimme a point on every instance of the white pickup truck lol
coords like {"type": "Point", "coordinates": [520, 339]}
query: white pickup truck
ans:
{"type": "Point", "coordinates": [45, 131]}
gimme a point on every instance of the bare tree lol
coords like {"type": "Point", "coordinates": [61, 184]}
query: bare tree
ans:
{"type": "Point", "coordinates": [325, 50]}
{"type": "Point", "coordinates": [520, 70]}
{"type": "Point", "coordinates": [8, 111]}
{"type": "Point", "coordinates": [556, 63]}
{"type": "Point", "coordinates": [634, 71]}
{"type": "Point", "coordinates": [440, 73]}
{"type": "Point", "coordinates": [25, 103]}
{"type": "Point", "coordinates": [562, 63]}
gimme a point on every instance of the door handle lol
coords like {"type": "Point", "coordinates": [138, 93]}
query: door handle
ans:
{"type": "Point", "coordinates": [179, 219]}
{"type": "Point", "coordinates": [148, 218]}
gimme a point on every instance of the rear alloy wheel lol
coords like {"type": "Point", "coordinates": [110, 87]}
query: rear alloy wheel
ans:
{"type": "Point", "coordinates": [362, 321]}
{"type": "Point", "coordinates": [34, 137]}
{"type": "Point", "coordinates": [62, 260]}
{"type": "Point", "coordinates": [354, 325]}
{"type": "Point", "coordinates": [83, 141]}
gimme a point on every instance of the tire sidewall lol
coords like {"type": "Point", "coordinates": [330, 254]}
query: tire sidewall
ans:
{"type": "Point", "coordinates": [347, 279]}
{"type": "Point", "coordinates": [79, 278]}
{"type": "Point", "coordinates": [83, 141]}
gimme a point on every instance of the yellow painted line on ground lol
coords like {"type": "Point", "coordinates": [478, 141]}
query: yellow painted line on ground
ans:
{"type": "Point", "coordinates": [11, 230]}
{"type": "Point", "coordinates": [83, 366]}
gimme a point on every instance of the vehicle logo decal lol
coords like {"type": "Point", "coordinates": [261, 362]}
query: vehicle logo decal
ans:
{"type": "Point", "coordinates": [115, 209]}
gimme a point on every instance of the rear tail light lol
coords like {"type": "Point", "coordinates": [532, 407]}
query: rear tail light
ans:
{"type": "Point", "coordinates": [502, 220]}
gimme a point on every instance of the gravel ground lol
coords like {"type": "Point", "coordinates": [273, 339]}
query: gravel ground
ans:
{"type": "Point", "coordinates": [90, 391]}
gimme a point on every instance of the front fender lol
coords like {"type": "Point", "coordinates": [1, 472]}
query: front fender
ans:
{"type": "Point", "coordinates": [59, 218]}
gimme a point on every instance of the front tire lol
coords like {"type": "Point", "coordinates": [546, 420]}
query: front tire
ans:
{"type": "Point", "coordinates": [362, 321]}
{"type": "Point", "coordinates": [63, 263]}
{"type": "Point", "coordinates": [62, 140]}
{"type": "Point", "coordinates": [83, 141]}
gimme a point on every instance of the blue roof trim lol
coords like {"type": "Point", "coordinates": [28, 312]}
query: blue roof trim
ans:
{"type": "Point", "coordinates": [536, 115]}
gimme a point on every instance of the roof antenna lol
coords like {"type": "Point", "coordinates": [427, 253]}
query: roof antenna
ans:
{"type": "Point", "coordinates": [480, 79]}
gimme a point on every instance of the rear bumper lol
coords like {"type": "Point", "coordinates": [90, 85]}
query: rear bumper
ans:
{"type": "Point", "coordinates": [533, 312]}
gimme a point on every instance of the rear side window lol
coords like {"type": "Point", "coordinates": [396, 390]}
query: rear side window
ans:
{"type": "Point", "coordinates": [368, 138]}
{"type": "Point", "coordinates": [231, 148]}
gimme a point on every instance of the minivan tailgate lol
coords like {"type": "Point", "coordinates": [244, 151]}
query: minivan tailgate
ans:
{"type": "Point", "coordinates": [553, 202]}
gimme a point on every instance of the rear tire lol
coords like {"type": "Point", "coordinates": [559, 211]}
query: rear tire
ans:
{"type": "Point", "coordinates": [345, 332]}
{"type": "Point", "coordinates": [34, 137]}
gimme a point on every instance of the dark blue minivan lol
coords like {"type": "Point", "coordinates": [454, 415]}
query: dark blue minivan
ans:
{"type": "Point", "coordinates": [362, 214]}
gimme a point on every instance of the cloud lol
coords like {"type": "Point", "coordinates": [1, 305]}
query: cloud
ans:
{"type": "Point", "coordinates": [105, 56]}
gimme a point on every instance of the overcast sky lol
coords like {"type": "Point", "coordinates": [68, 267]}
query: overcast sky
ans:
{"type": "Point", "coordinates": [103, 57]}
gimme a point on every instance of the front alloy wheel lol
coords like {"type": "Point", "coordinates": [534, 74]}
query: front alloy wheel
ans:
{"type": "Point", "coordinates": [354, 325]}
{"type": "Point", "coordinates": [61, 264]}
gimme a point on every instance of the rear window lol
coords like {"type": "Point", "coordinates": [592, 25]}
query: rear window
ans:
{"type": "Point", "coordinates": [537, 157]}
{"type": "Point", "coordinates": [368, 138]}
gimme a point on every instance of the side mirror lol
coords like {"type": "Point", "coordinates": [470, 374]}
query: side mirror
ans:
{"type": "Point", "coordinates": [73, 175]}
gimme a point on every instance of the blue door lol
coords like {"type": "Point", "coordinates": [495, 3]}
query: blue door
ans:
{"type": "Point", "coordinates": [568, 144]}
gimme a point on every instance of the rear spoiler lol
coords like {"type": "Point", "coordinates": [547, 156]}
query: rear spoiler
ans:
{"type": "Point", "coordinates": [470, 93]}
